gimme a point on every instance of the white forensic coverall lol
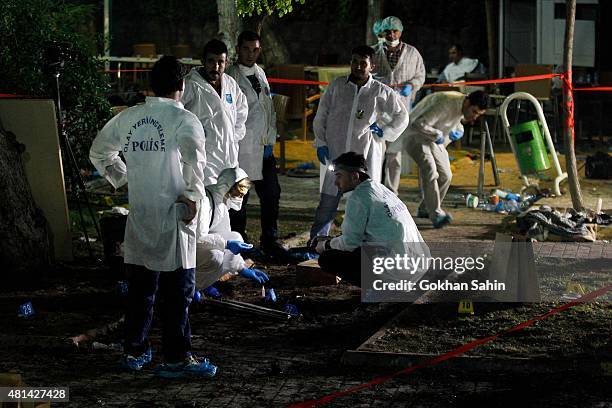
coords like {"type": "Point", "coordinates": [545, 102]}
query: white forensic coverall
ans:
{"type": "Point", "coordinates": [410, 69]}
{"type": "Point", "coordinates": [214, 230]}
{"type": "Point", "coordinates": [437, 114]}
{"type": "Point", "coordinates": [163, 147]}
{"type": "Point", "coordinates": [374, 214]}
{"type": "Point", "coordinates": [342, 123]}
{"type": "Point", "coordinates": [223, 118]}
{"type": "Point", "coordinates": [454, 72]}
{"type": "Point", "coordinates": [343, 119]}
{"type": "Point", "coordinates": [261, 121]}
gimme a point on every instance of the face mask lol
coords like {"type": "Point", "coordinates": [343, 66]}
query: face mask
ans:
{"type": "Point", "coordinates": [393, 43]}
{"type": "Point", "coordinates": [234, 203]}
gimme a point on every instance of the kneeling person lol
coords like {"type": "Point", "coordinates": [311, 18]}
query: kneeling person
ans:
{"type": "Point", "coordinates": [374, 214]}
{"type": "Point", "coordinates": [218, 247]}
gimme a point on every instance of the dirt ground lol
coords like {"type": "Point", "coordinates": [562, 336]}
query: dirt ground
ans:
{"type": "Point", "coordinates": [264, 363]}
{"type": "Point", "coordinates": [579, 334]}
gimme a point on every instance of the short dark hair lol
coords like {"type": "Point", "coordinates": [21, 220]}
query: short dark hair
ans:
{"type": "Point", "coordinates": [458, 47]}
{"type": "Point", "coordinates": [248, 36]}
{"type": "Point", "coordinates": [479, 98]}
{"type": "Point", "coordinates": [167, 75]}
{"type": "Point", "coordinates": [354, 161]}
{"type": "Point", "coordinates": [364, 51]}
{"type": "Point", "coordinates": [214, 46]}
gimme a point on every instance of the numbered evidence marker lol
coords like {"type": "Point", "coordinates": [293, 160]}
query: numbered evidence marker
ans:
{"type": "Point", "coordinates": [466, 306]}
{"type": "Point", "coordinates": [573, 287]}
{"type": "Point", "coordinates": [573, 291]}
{"type": "Point", "coordinates": [25, 310]}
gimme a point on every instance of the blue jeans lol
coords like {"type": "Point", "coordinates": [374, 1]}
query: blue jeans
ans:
{"type": "Point", "coordinates": [175, 290]}
{"type": "Point", "coordinates": [324, 215]}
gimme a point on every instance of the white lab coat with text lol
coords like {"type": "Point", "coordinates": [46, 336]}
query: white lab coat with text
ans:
{"type": "Point", "coordinates": [163, 147]}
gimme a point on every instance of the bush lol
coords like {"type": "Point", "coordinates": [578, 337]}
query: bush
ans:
{"type": "Point", "coordinates": [25, 26]}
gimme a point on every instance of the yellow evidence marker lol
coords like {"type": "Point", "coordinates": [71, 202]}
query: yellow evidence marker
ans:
{"type": "Point", "coordinates": [466, 306]}
{"type": "Point", "coordinates": [573, 287]}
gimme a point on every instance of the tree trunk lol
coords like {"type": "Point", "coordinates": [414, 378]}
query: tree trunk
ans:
{"type": "Point", "coordinates": [230, 26]}
{"type": "Point", "coordinates": [568, 109]}
{"type": "Point", "coordinates": [374, 13]}
{"type": "Point", "coordinates": [275, 51]}
{"type": "Point", "coordinates": [24, 242]}
{"type": "Point", "coordinates": [491, 35]}
{"type": "Point", "coordinates": [254, 22]}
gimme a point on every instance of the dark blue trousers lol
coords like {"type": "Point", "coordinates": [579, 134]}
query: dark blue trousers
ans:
{"type": "Point", "coordinates": [175, 292]}
{"type": "Point", "coordinates": [268, 190]}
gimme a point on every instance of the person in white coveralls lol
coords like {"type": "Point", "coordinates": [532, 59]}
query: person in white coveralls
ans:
{"type": "Point", "coordinates": [374, 215]}
{"type": "Point", "coordinates": [255, 154]}
{"type": "Point", "coordinates": [216, 99]}
{"type": "Point", "coordinates": [435, 122]}
{"type": "Point", "coordinates": [219, 248]}
{"type": "Point", "coordinates": [400, 66]}
{"type": "Point", "coordinates": [356, 114]}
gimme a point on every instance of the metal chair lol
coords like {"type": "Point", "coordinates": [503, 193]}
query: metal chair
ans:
{"type": "Point", "coordinates": [300, 104]}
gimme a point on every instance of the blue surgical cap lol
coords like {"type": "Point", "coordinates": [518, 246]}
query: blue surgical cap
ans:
{"type": "Point", "coordinates": [392, 23]}
{"type": "Point", "coordinates": [377, 28]}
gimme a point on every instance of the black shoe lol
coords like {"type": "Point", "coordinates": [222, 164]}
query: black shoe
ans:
{"type": "Point", "coordinates": [273, 248]}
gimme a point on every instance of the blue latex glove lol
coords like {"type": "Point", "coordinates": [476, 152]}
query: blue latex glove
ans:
{"type": "Point", "coordinates": [455, 134]}
{"type": "Point", "coordinates": [268, 149]}
{"type": "Point", "coordinates": [376, 130]}
{"type": "Point", "coordinates": [439, 139]}
{"type": "Point", "coordinates": [323, 154]}
{"type": "Point", "coordinates": [212, 292]}
{"type": "Point", "coordinates": [236, 246]}
{"type": "Point", "coordinates": [255, 275]}
{"type": "Point", "coordinates": [406, 90]}
{"type": "Point", "coordinates": [271, 296]}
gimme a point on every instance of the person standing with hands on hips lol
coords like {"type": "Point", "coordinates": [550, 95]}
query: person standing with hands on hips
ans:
{"type": "Point", "coordinates": [356, 114]}
{"type": "Point", "coordinates": [163, 147]}
{"type": "Point", "coordinates": [400, 66]}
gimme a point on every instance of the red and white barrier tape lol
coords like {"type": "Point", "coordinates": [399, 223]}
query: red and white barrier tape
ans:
{"type": "Point", "coordinates": [453, 353]}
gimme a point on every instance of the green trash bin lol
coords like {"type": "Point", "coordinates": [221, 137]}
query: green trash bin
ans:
{"type": "Point", "coordinates": [530, 148]}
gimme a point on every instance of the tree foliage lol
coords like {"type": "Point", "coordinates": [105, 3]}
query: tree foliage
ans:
{"type": "Point", "coordinates": [269, 7]}
{"type": "Point", "coordinates": [26, 25]}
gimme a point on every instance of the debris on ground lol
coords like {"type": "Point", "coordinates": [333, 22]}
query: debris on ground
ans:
{"type": "Point", "coordinates": [547, 223]}
{"type": "Point", "coordinates": [304, 170]}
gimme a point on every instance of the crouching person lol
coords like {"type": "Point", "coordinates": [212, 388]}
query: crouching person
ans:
{"type": "Point", "coordinates": [163, 147]}
{"type": "Point", "coordinates": [374, 214]}
{"type": "Point", "coordinates": [218, 247]}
